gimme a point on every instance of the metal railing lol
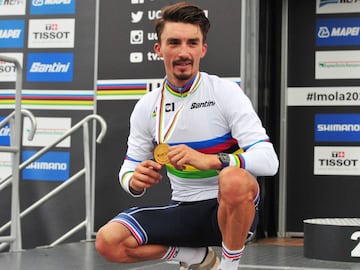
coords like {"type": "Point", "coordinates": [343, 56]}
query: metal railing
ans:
{"type": "Point", "coordinates": [14, 148]}
{"type": "Point", "coordinates": [86, 170]}
{"type": "Point", "coordinates": [14, 224]}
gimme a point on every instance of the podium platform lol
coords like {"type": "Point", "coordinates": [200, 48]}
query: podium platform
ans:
{"type": "Point", "coordinates": [83, 256]}
{"type": "Point", "coordinates": [334, 239]}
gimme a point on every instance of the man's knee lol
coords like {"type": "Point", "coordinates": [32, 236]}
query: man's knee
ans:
{"type": "Point", "coordinates": [103, 243]}
{"type": "Point", "coordinates": [237, 185]}
{"type": "Point", "coordinates": [110, 242]}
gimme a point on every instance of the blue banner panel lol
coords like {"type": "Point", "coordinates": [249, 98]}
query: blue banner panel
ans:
{"type": "Point", "coordinates": [50, 67]}
{"type": "Point", "coordinates": [12, 34]}
{"type": "Point", "coordinates": [4, 134]}
{"type": "Point", "coordinates": [52, 166]}
{"type": "Point", "coordinates": [337, 127]}
{"type": "Point", "coordinates": [340, 31]}
{"type": "Point", "coordinates": [41, 7]}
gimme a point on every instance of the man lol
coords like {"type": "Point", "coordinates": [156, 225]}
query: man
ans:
{"type": "Point", "coordinates": [206, 133]}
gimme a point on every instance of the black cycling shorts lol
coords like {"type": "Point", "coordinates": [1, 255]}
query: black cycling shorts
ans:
{"type": "Point", "coordinates": [190, 224]}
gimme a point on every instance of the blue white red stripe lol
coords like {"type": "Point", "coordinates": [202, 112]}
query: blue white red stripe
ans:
{"type": "Point", "coordinates": [133, 226]}
{"type": "Point", "coordinates": [231, 255]}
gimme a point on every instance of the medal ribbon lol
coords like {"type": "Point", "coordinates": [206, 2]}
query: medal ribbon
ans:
{"type": "Point", "coordinates": [163, 133]}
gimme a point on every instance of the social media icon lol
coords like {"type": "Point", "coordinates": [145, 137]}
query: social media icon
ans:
{"type": "Point", "coordinates": [136, 16]}
{"type": "Point", "coordinates": [136, 57]}
{"type": "Point", "coordinates": [136, 37]}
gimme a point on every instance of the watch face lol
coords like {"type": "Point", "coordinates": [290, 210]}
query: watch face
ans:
{"type": "Point", "coordinates": [224, 157]}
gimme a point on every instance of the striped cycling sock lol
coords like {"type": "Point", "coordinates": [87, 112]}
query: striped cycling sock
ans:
{"type": "Point", "coordinates": [184, 254]}
{"type": "Point", "coordinates": [230, 258]}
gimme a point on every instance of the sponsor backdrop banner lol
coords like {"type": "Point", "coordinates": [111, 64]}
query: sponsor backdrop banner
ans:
{"type": "Point", "coordinates": [323, 102]}
{"type": "Point", "coordinates": [128, 67]}
{"type": "Point", "coordinates": [54, 41]}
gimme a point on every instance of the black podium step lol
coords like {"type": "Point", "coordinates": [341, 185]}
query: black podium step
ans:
{"type": "Point", "coordinates": [334, 239]}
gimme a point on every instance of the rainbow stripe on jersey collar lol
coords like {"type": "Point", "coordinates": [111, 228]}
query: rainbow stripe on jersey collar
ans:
{"type": "Point", "coordinates": [190, 86]}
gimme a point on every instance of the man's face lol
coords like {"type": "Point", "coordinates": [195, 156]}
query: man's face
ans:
{"type": "Point", "coordinates": [181, 46]}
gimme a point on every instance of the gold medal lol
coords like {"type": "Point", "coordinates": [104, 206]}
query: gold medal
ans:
{"type": "Point", "coordinates": [161, 153]}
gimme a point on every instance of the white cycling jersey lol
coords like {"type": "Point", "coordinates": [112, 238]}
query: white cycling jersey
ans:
{"type": "Point", "coordinates": [214, 116]}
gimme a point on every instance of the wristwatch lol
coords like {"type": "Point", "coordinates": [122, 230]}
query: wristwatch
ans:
{"type": "Point", "coordinates": [224, 159]}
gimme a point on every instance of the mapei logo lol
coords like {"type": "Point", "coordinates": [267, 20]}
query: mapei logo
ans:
{"type": "Point", "coordinates": [323, 32]}
{"type": "Point", "coordinates": [51, 33]}
{"type": "Point", "coordinates": [50, 67]}
{"type": "Point", "coordinates": [50, 2]}
{"type": "Point", "coordinates": [12, 34]}
{"type": "Point", "coordinates": [52, 7]}
{"type": "Point", "coordinates": [333, 32]}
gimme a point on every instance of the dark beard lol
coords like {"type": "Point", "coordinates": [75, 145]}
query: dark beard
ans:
{"type": "Point", "coordinates": [183, 77]}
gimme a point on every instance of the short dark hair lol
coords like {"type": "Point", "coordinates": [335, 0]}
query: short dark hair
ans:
{"type": "Point", "coordinates": [183, 12]}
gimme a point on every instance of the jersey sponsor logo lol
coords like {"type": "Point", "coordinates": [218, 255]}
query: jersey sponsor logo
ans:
{"type": "Point", "coordinates": [50, 67]}
{"type": "Point", "coordinates": [52, 166]}
{"type": "Point", "coordinates": [337, 127]}
{"type": "Point", "coordinates": [204, 104]}
{"type": "Point", "coordinates": [53, 33]}
{"type": "Point", "coordinates": [169, 107]}
{"type": "Point", "coordinates": [12, 34]}
{"type": "Point", "coordinates": [52, 7]}
{"type": "Point", "coordinates": [332, 32]}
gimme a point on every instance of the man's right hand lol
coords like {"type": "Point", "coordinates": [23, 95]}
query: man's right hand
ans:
{"type": "Point", "coordinates": [147, 174]}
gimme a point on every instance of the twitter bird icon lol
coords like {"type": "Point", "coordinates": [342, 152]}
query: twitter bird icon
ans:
{"type": "Point", "coordinates": [136, 16]}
